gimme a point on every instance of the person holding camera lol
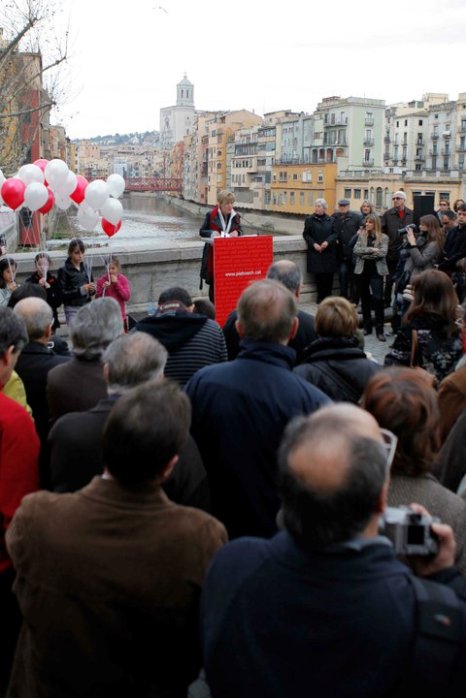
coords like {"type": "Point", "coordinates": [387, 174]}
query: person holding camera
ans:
{"type": "Point", "coordinates": [325, 605]}
{"type": "Point", "coordinates": [370, 253]}
{"type": "Point", "coordinates": [420, 250]}
{"type": "Point", "coordinates": [430, 336]}
{"type": "Point", "coordinates": [404, 401]}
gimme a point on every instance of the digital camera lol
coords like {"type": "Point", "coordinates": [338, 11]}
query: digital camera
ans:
{"type": "Point", "coordinates": [404, 231]}
{"type": "Point", "coordinates": [409, 531]}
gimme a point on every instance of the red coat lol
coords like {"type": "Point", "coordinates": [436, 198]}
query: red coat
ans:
{"type": "Point", "coordinates": [19, 474]}
{"type": "Point", "coordinates": [120, 291]}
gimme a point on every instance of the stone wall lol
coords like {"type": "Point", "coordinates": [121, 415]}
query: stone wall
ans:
{"type": "Point", "coordinates": [152, 271]}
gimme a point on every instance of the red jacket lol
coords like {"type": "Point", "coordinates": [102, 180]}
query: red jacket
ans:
{"type": "Point", "coordinates": [19, 474]}
{"type": "Point", "coordinates": [120, 291]}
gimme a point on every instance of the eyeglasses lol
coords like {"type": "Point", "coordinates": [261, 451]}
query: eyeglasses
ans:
{"type": "Point", "coordinates": [397, 198]}
{"type": "Point", "coordinates": [390, 441]}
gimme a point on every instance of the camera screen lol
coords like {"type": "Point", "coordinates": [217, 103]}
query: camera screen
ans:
{"type": "Point", "coordinates": [415, 535]}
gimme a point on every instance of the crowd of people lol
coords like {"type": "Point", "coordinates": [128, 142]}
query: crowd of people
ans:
{"type": "Point", "coordinates": [187, 509]}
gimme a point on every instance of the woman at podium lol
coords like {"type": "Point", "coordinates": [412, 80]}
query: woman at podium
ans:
{"type": "Point", "coordinates": [222, 221]}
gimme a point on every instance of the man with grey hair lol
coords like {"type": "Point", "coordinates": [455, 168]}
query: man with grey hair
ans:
{"type": "Point", "coordinates": [289, 274]}
{"type": "Point", "coordinates": [80, 384]}
{"type": "Point", "coordinates": [321, 242]}
{"type": "Point", "coordinates": [75, 438]}
{"type": "Point", "coordinates": [322, 601]}
{"type": "Point", "coordinates": [33, 366]}
{"type": "Point", "coordinates": [240, 409]}
{"type": "Point", "coordinates": [395, 218]}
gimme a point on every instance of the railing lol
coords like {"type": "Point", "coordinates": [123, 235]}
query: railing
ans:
{"type": "Point", "coordinates": [152, 184]}
{"type": "Point", "coordinates": [369, 121]}
{"type": "Point", "coordinates": [434, 136]}
{"type": "Point", "coordinates": [369, 142]}
{"type": "Point", "coordinates": [368, 163]}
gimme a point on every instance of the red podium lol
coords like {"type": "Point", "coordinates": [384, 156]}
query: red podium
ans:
{"type": "Point", "coordinates": [238, 262]}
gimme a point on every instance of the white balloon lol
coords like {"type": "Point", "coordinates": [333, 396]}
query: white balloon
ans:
{"type": "Point", "coordinates": [56, 172]}
{"type": "Point", "coordinates": [87, 217]}
{"type": "Point", "coordinates": [96, 193]}
{"type": "Point", "coordinates": [112, 210]}
{"type": "Point", "coordinates": [35, 196]}
{"type": "Point", "coordinates": [63, 202]}
{"type": "Point", "coordinates": [69, 185]}
{"type": "Point", "coordinates": [116, 185]}
{"type": "Point", "coordinates": [2, 178]}
{"type": "Point", "coordinates": [30, 173]}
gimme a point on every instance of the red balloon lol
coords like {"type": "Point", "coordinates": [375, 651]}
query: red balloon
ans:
{"type": "Point", "coordinates": [42, 163]}
{"type": "Point", "coordinates": [78, 194]}
{"type": "Point", "coordinates": [49, 203]}
{"type": "Point", "coordinates": [13, 192]}
{"type": "Point", "coordinates": [110, 229]}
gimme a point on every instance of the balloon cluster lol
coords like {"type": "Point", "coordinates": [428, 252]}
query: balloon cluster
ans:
{"type": "Point", "coordinates": [41, 185]}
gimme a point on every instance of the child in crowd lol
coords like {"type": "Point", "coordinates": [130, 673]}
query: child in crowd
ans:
{"type": "Point", "coordinates": [7, 279]}
{"type": "Point", "coordinates": [115, 285]}
{"type": "Point", "coordinates": [75, 280]}
{"type": "Point", "coordinates": [43, 277]}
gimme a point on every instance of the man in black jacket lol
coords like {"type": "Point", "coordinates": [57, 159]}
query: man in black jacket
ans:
{"type": "Point", "coordinates": [346, 224]}
{"type": "Point", "coordinates": [75, 439]}
{"type": "Point", "coordinates": [34, 364]}
{"type": "Point", "coordinates": [289, 274]}
{"type": "Point", "coordinates": [324, 607]}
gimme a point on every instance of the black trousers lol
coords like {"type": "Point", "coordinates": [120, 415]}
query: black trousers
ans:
{"type": "Point", "coordinates": [10, 619]}
{"type": "Point", "coordinates": [371, 292]}
{"type": "Point", "coordinates": [324, 285]}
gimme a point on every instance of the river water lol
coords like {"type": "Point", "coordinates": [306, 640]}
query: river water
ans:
{"type": "Point", "coordinates": [148, 223]}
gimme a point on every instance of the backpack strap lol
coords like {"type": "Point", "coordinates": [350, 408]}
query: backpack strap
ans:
{"type": "Point", "coordinates": [437, 641]}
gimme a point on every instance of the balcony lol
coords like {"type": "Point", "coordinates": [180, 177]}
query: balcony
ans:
{"type": "Point", "coordinates": [386, 156]}
{"type": "Point", "coordinates": [462, 128]}
{"type": "Point", "coordinates": [336, 122]}
{"type": "Point", "coordinates": [446, 134]}
{"type": "Point", "coordinates": [461, 148]}
{"type": "Point", "coordinates": [433, 153]}
{"type": "Point", "coordinates": [368, 163]}
{"type": "Point", "coordinates": [445, 152]}
{"type": "Point", "coordinates": [387, 139]}
{"type": "Point", "coordinates": [419, 158]}
{"type": "Point", "coordinates": [369, 142]}
{"type": "Point", "coordinates": [369, 121]}
{"type": "Point", "coordinates": [434, 136]}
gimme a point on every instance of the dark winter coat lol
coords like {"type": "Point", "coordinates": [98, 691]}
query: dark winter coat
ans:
{"type": "Point", "coordinates": [71, 280]}
{"type": "Point", "coordinates": [338, 367]}
{"type": "Point", "coordinates": [319, 229]}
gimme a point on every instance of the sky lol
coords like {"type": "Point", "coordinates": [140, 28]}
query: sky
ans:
{"type": "Point", "coordinates": [126, 58]}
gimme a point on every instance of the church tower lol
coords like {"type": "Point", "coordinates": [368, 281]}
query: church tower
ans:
{"type": "Point", "coordinates": [177, 122]}
{"type": "Point", "coordinates": [185, 93]}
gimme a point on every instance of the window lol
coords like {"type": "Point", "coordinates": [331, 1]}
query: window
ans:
{"type": "Point", "coordinates": [301, 198]}
{"type": "Point", "coordinates": [291, 198]}
{"type": "Point", "coordinates": [445, 195]}
{"type": "Point", "coordinates": [310, 198]}
{"type": "Point", "coordinates": [420, 122]}
{"type": "Point", "coordinates": [320, 177]}
{"type": "Point", "coordinates": [295, 176]}
{"type": "Point", "coordinates": [357, 193]}
{"type": "Point", "coordinates": [347, 193]}
{"type": "Point", "coordinates": [379, 197]}
{"type": "Point", "coordinates": [406, 122]}
{"type": "Point", "coordinates": [366, 193]}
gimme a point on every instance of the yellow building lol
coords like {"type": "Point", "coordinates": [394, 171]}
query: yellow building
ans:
{"type": "Point", "coordinates": [296, 187]}
{"type": "Point", "coordinates": [220, 130]}
{"type": "Point", "coordinates": [378, 188]}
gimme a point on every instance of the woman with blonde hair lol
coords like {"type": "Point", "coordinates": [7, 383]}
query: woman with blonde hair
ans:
{"type": "Point", "coordinates": [334, 362]}
{"type": "Point", "coordinates": [222, 221]}
{"type": "Point", "coordinates": [370, 252]}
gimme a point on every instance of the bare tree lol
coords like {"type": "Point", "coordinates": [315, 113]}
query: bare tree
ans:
{"type": "Point", "coordinates": [30, 56]}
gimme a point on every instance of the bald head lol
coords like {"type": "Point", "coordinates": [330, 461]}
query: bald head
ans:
{"type": "Point", "coordinates": [287, 273]}
{"type": "Point", "coordinates": [266, 312]}
{"type": "Point", "coordinates": [332, 471]}
{"type": "Point", "coordinates": [326, 436]}
{"type": "Point", "coordinates": [37, 316]}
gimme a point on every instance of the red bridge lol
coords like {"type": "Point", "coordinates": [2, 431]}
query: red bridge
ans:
{"type": "Point", "coordinates": [152, 184]}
